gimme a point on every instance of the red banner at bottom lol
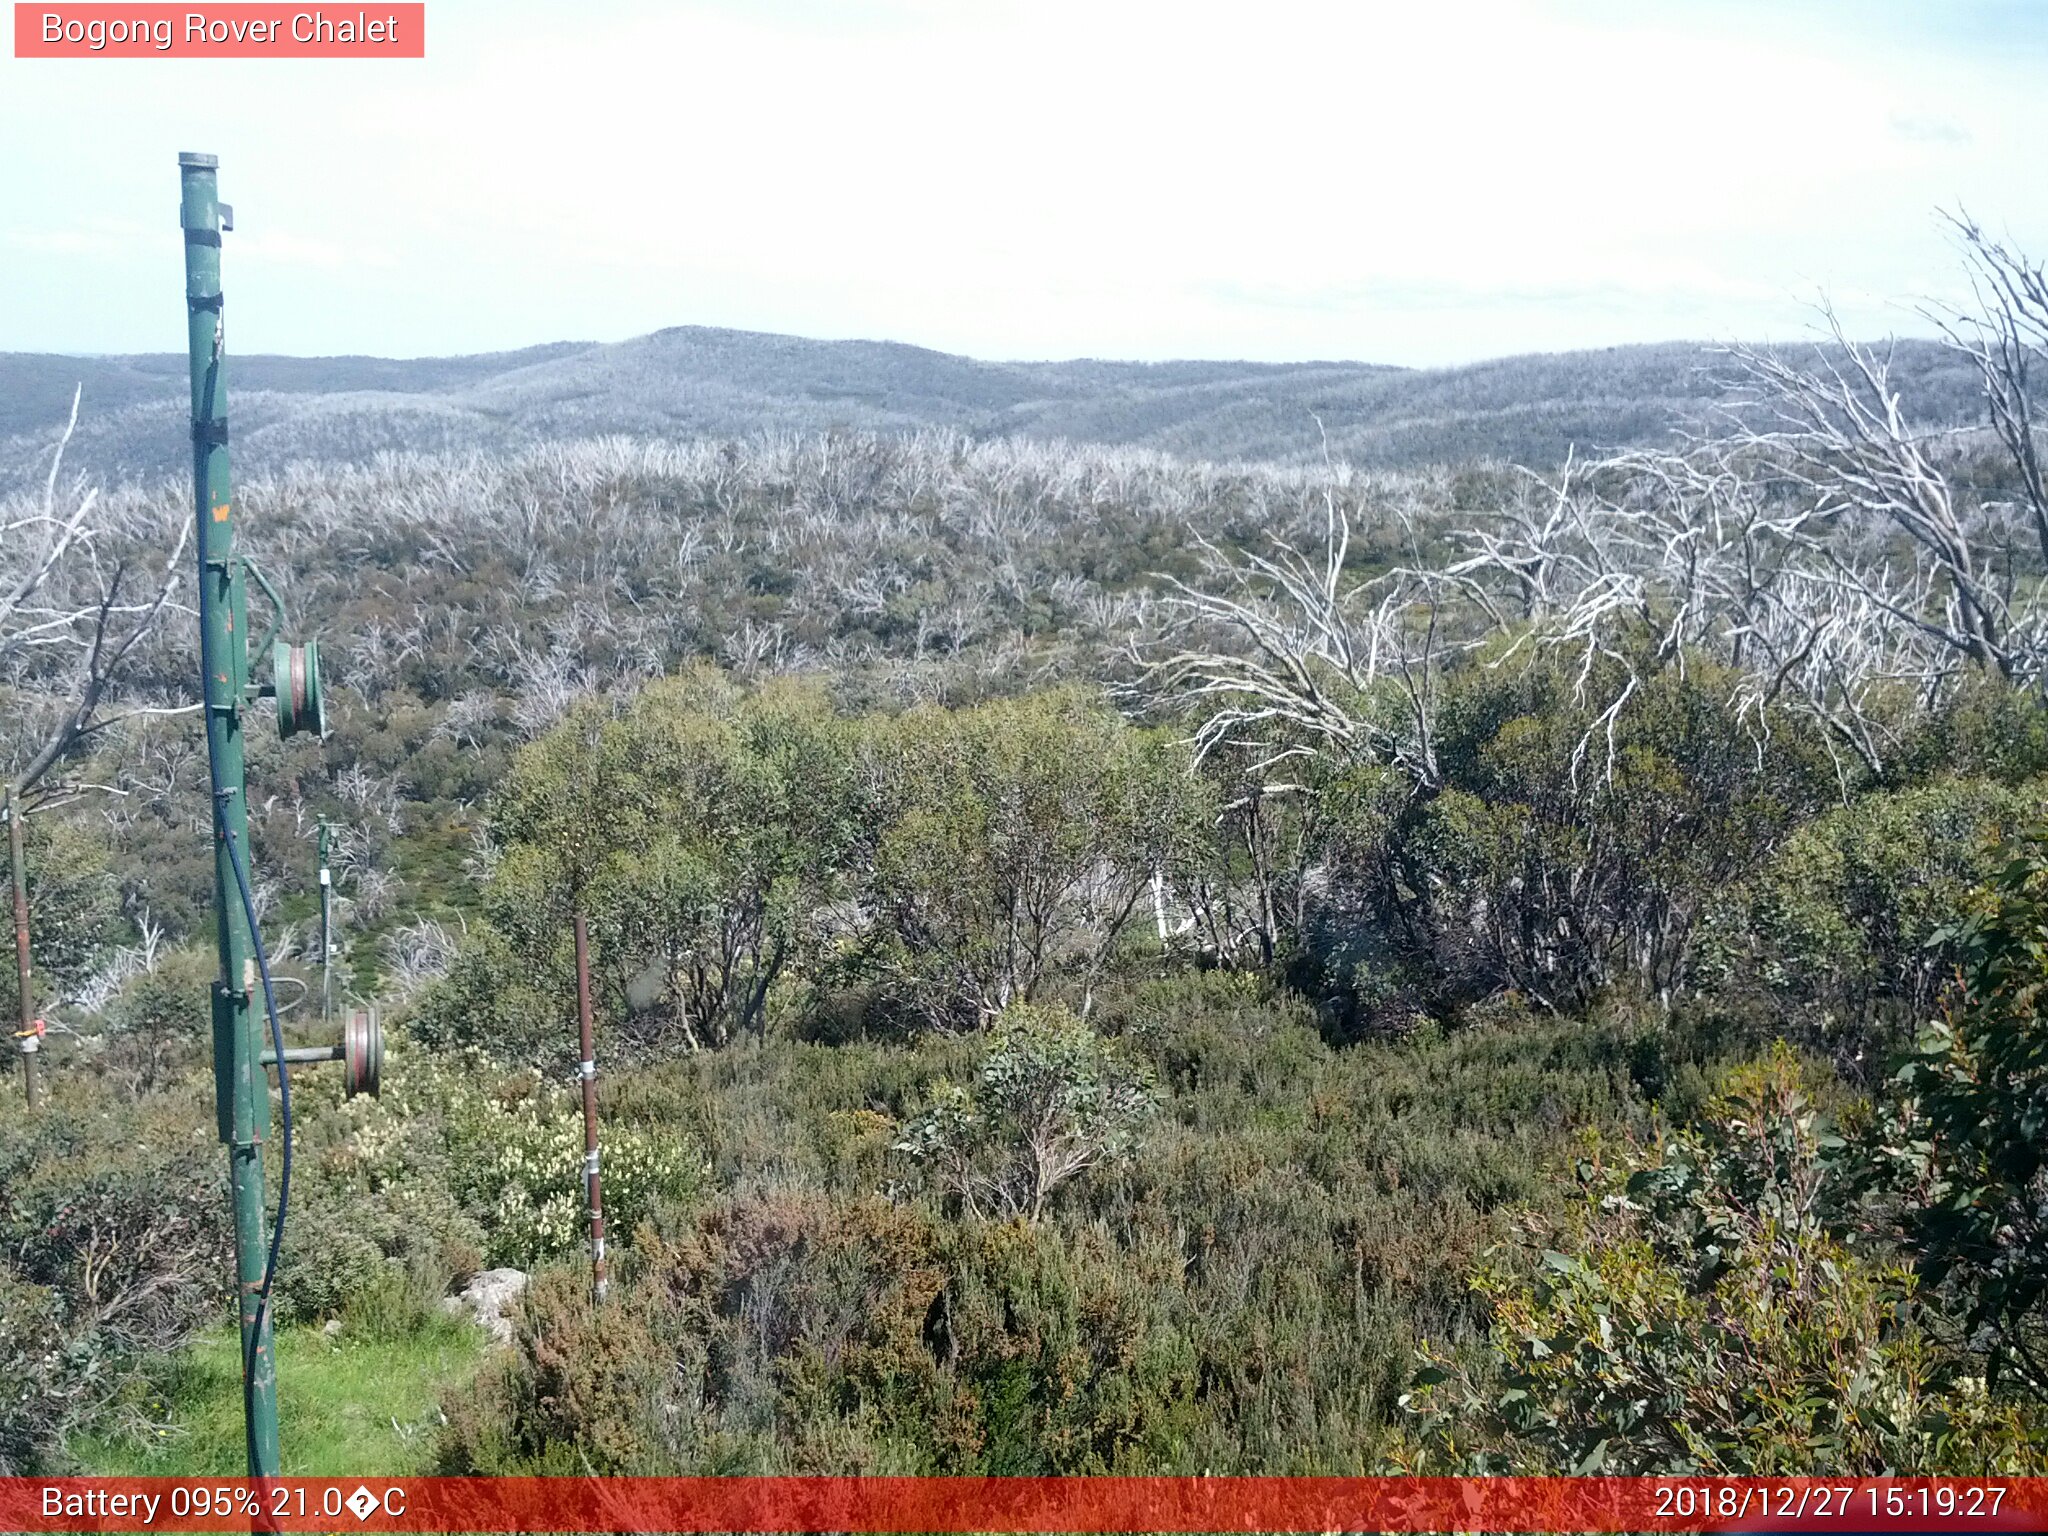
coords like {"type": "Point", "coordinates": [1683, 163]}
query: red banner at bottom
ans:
{"type": "Point", "coordinates": [1063, 1504]}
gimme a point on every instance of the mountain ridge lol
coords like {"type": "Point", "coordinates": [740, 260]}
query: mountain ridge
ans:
{"type": "Point", "coordinates": [690, 381]}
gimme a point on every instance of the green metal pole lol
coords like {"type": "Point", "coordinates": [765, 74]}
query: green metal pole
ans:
{"type": "Point", "coordinates": [242, 1095]}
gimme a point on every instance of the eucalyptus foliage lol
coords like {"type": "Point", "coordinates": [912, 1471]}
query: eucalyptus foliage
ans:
{"type": "Point", "coordinates": [1050, 1100]}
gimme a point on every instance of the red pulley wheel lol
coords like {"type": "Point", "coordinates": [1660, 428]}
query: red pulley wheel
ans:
{"type": "Point", "coordinates": [362, 1053]}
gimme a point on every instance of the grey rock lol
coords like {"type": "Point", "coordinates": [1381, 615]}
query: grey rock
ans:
{"type": "Point", "coordinates": [489, 1299]}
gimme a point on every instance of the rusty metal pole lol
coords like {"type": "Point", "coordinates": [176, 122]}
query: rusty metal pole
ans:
{"type": "Point", "coordinates": [28, 1039]}
{"type": "Point", "coordinates": [326, 929]}
{"type": "Point", "coordinates": [587, 1071]}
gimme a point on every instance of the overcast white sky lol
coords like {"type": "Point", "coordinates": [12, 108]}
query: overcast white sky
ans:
{"type": "Point", "coordinates": [1407, 181]}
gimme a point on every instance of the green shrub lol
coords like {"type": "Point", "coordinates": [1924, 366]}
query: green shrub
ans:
{"type": "Point", "coordinates": [161, 1020]}
{"type": "Point", "coordinates": [731, 847]}
{"type": "Point", "coordinates": [1012, 845]}
{"type": "Point", "coordinates": [1052, 1099]}
{"type": "Point", "coordinates": [456, 1167]}
{"type": "Point", "coordinates": [47, 1380]}
{"type": "Point", "coordinates": [516, 1161]}
{"type": "Point", "coordinates": [1241, 1292]}
{"type": "Point", "coordinates": [1066, 1354]}
{"type": "Point", "coordinates": [1577, 855]}
{"type": "Point", "coordinates": [1986, 729]}
{"type": "Point", "coordinates": [373, 1201]}
{"type": "Point", "coordinates": [775, 1332]}
{"type": "Point", "coordinates": [1234, 1031]}
{"type": "Point", "coordinates": [1968, 1164]}
{"type": "Point", "coordinates": [113, 1242]}
{"type": "Point", "coordinates": [74, 908]}
{"type": "Point", "coordinates": [490, 999]}
{"type": "Point", "coordinates": [1701, 1309]}
{"type": "Point", "coordinates": [697, 830]}
{"type": "Point", "coordinates": [1834, 930]}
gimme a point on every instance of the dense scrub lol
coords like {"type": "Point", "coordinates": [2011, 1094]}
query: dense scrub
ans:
{"type": "Point", "coordinates": [1238, 1288]}
{"type": "Point", "coordinates": [755, 856]}
{"type": "Point", "coordinates": [1103, 963]}
{"type": "Point", "coordinates": [466, 603]}
{"type": "Point", "coordinates": [999, 1088]}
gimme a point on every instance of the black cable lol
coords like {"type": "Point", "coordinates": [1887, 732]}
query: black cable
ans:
{"type": "Point", "coordinates": [284, 1088]}
{"type": "Point", "coordinates": [221, 796]}
{"type": "Point", "coordinates": [284, 1084]}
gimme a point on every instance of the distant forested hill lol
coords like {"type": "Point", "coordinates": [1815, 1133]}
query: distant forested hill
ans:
{"type": "Point", "coordinates": [693, 381]}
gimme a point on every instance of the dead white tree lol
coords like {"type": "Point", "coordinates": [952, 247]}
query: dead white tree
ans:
{"type": "Point", "coordinates": [72, 614]}
{"type": "Point", "coordinates": [1288, 654]}
{"type": "Point", "coordinates": [1649, 559]}
{"type": "Point", "coordinates": [1818, 546]}
{"type": "Point", "coordinates": [1837, 438]}
{"type": "Point", "coordinates": [417, 953]}
{"type": "Point", "coordinates": [76, 601]}
{"type": "Point", "coordinates": [2005, 335]}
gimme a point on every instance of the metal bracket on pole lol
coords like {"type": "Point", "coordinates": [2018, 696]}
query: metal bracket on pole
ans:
{"type": "Point", "coordinates": [361, 1054]}
{"type": "Point", "coordinates": [277, 610]}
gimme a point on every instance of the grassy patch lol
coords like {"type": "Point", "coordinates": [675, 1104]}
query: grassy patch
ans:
{"type": "Point", "coordinates": [348, 1406]}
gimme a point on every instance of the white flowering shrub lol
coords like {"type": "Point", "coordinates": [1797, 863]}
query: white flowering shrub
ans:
{"type": "Point", "coordinates": [520, 1165]}
{"type": "Point", "coordinates": [504, 1152]}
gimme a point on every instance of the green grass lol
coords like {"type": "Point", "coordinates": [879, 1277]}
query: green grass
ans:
{"type": "Point", "coordinates": [347, 1406]}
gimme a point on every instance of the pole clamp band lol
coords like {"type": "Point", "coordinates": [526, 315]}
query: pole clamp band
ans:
{"type": "Point", "coordinates": [212, 432]}
{"type": "Point", "coordinates": [586, 1070]}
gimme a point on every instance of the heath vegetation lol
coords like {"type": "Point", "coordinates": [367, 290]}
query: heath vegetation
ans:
{"type": "Point", "coordinates": [1105, 962]}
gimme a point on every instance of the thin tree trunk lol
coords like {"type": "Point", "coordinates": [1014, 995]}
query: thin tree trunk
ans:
{"type": "Point", "coordinates": [28, 1040]}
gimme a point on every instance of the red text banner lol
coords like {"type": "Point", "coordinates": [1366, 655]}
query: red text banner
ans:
{"type": "Point", "coordinates": [1074, 1504]}
{"type": "Point", "coordinates": [230, 31]}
